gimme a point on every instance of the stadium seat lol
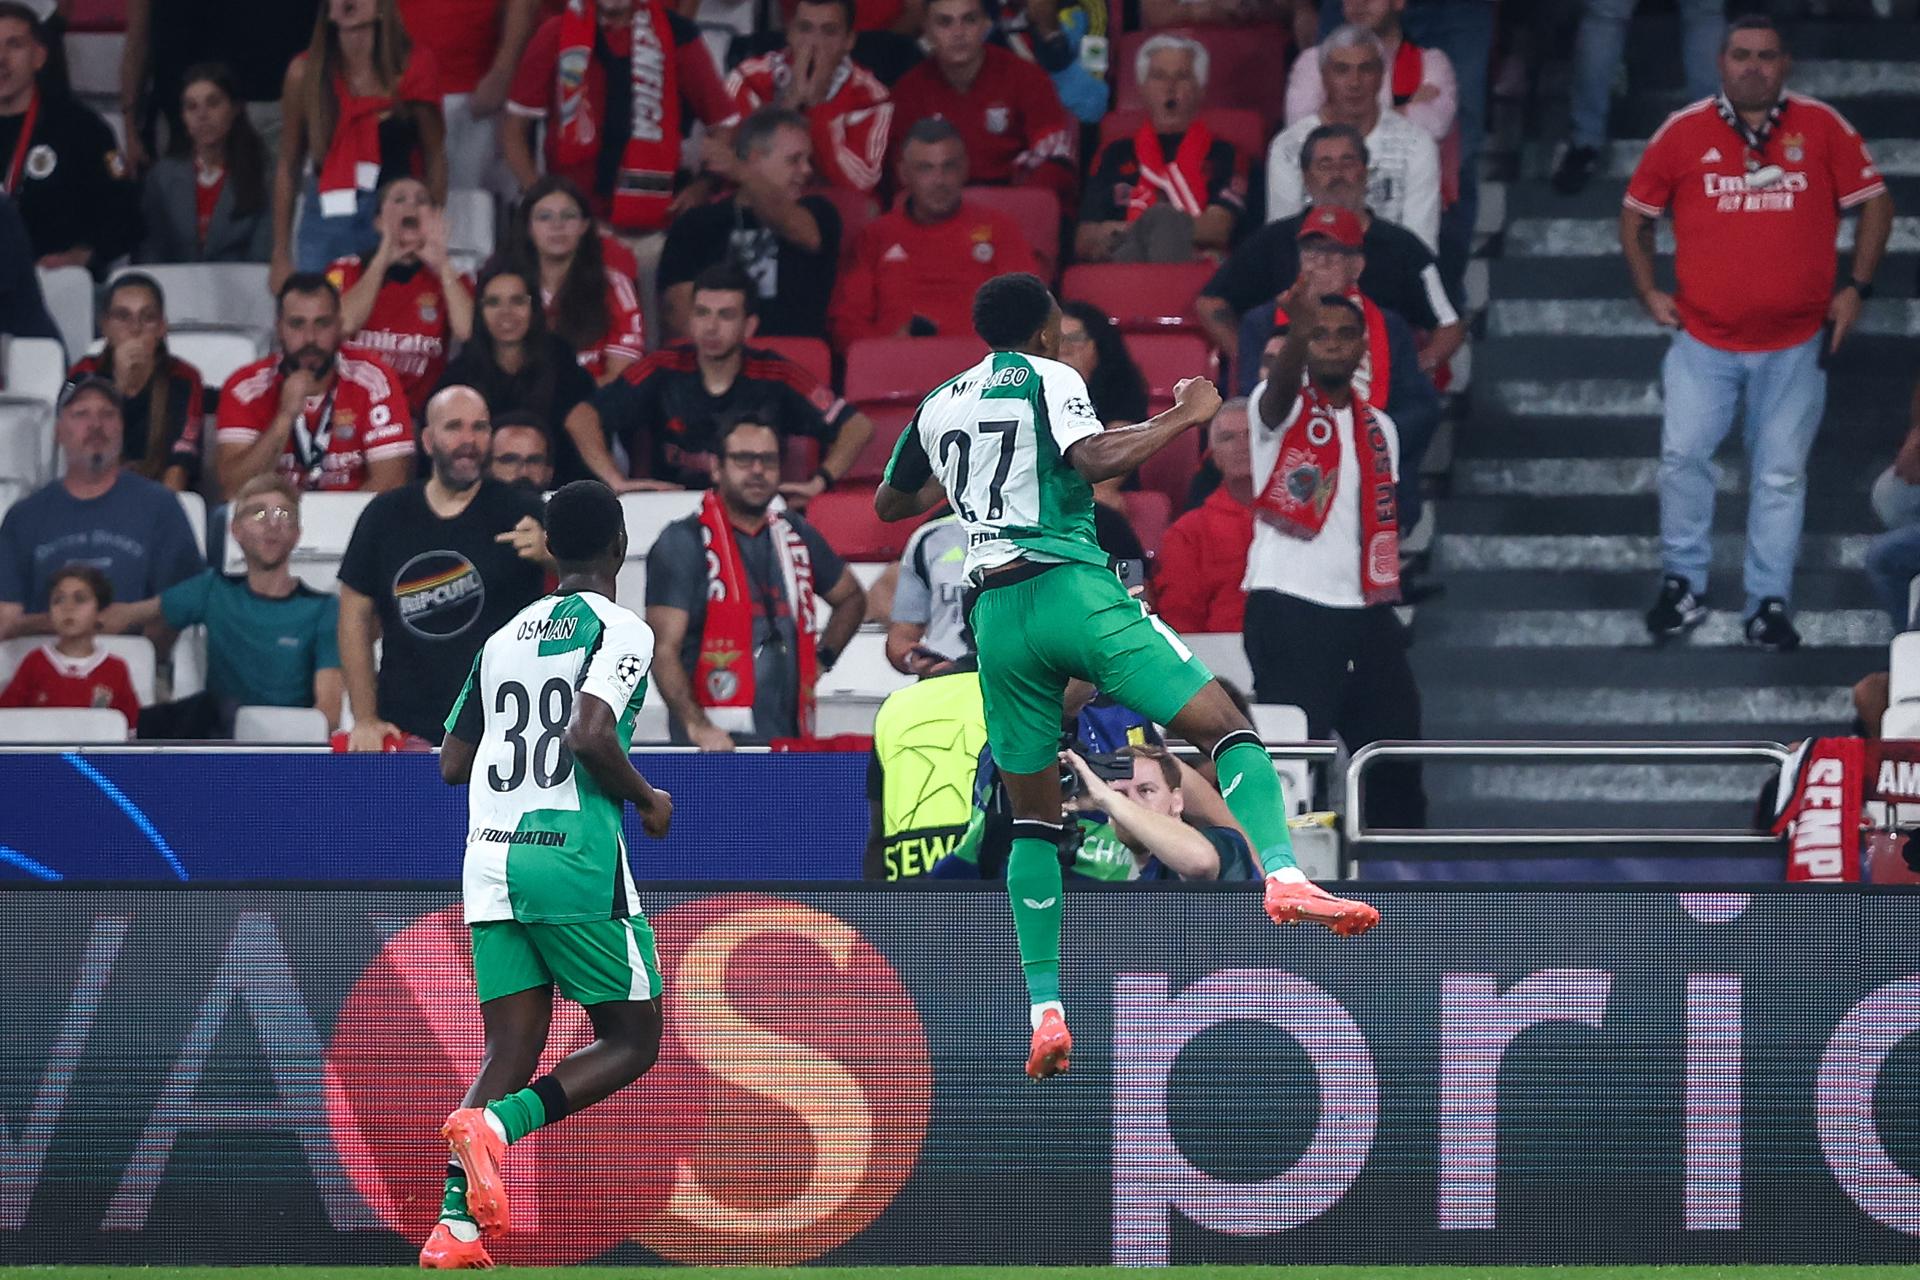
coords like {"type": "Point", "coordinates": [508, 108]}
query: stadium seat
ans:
{"type": "Point", "coordinates": [648, 513]}
{"type": "Point", "coordinates": [1149, 512]}
{"type": "Point", "coordinates": [1246, 62]}
{"type": "Point", "coordinates": [97, 15]}
{"type": "Point", "coordinates": [195, 508]}
{"type": "Point", "coordinates": [810, 354]}
{"type": "Point", "coordinates": [1225, 653]}
{"type": "Point", "coordinates": [886, 379]}
{"type": "Point", "coordinates": [135, 651]}
{"type": "Point", "coordinates": [1903, 666]}
{"type": "Point", "coordinates": [1238, 125]}
{"type": "Point", "coordinates": [1278, 723]}
{"type": "Point", "coordinates": [222, 294]}
{"type": "Point", "coordinates": [845, 518]}
{"type": "Point", "coordinates": [26, 446]}
{"type": "Point", "coordinates": [1037, 210]}
{"type": "Point", "coordinates": [652, 723]}
{"type": "Point", "coordinates": [280, 724]}
{"type": "Point", "coordinates": [1143, 297]}
{"type": "Point", "coordinates": [844, 713]}
{"type": "Point", "coordinates": [1902, 722]}
{"type": "Point", "coordinates": [863, 670]}
{"type": "Point", "coordinates": [93, 62]}
{"type": "Point", "coordinates": [856, 210]}
{"type": "Point", "coordinates": [470, 224]}
{"type": "Point", "coordinates": [34, 367]}
{"type": "Point", "coordinates": [218, 353]}
{"type": "Point", "coordinates": [1166, 358]}
{"type": "Point", "coordinates": [69, 294]}
{"type": "Point", "coordinates": [190, 662]}
{"type": "Point", "coordinates": [62, 725]}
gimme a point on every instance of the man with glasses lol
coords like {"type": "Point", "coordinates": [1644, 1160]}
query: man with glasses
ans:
{"type": "Point", "coordinates": [733, 592]}
{"type": "Point", "coordinates": [270, 637]}
{"type": "Point", "coordinates": [522, 454]}
{"type": "Point", "coordinates": [161, 406]}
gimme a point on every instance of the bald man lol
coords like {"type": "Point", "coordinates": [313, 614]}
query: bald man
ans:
{"type": "Point", "coordinates": [433, 569]}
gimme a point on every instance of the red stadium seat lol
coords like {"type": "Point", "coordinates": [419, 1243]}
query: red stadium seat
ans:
{"type": "Point", "coordinates": [1141, 297]}
{"type": "Point", "coordinates": [1149, 513]}
{"type": "Point", "coordinates": [1165, 358]}
{"type": "Point", "coordinates": [856, 209]}
{"type": "Point", "coordinates": [1170, 472]}
{"type": "Point", "coordinates": [886, 378]}
{"type": "Point", "coordinates": [1037, 210]}
{"type": "Point", "coordinates": [98, 15]}
{"type": "Point", "coordinates": [1238, 125]}
{"type": "Point", "coordinates": [846, 520]}
{"type": "Point", "coordinates": [1247, 67]}
{"type": "Point", "coordinates": [810, 354]}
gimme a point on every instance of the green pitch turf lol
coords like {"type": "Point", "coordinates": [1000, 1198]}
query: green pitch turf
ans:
{"type": "Point", "coordinates": [589, 1272]}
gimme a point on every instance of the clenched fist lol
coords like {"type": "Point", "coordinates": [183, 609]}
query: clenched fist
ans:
{"type": "Point", "coordinates": [1198, 397]}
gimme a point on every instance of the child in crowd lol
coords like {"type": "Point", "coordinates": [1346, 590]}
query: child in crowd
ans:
{"type": "Point", "coordinates": [72, 670]}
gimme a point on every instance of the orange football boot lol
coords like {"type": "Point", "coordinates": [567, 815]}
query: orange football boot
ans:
{"type": "Point", "coordinates": [1290, 902]}
{"type": "Point", "coordinates": [480, 1152]}
{"type": "Point", "coordinates": [1052, 1042]}
{"type": "Point", "coordinates": [444, 1251]}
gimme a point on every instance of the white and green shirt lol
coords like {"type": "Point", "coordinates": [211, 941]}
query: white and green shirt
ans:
{"type": "Point", "coordinates": [997, 436]}
{"type": "Point", "coordinates": [544, 842]}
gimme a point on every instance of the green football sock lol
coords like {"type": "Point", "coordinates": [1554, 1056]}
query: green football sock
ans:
{"type": "Point", "coordinates": [521, 1113]}
{"type": "Point", "coordinates": [453, 1203]}
{"type": "Point", "coordinates": [1253, 792]}
{"type": "Point", "coordinates": [1033, 890]}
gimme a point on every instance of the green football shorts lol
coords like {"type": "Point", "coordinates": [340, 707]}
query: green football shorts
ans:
{"type": "Point", "coordinates": [1072, 620]}
{"type": "Point", "coordinates": [588, 963]}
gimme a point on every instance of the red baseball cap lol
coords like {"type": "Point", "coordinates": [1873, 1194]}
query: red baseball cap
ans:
{"type": "Point", "coordinates": [1342, 226]}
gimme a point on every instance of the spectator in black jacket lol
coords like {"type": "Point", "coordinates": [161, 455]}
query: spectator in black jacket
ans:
{"type": "Point", "coordinates": [23, 308]}
{"type": "Point", "coordinates": [67, 172]}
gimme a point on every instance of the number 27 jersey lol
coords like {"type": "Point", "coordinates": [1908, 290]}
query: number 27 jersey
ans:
{"type": "Point", "coordinates": [544, 842]}
{"type": "Point", "coordinates": [997, 436]}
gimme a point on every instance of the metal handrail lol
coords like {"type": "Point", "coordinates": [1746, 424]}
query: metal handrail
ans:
{"type": "Point", "coordinates": [1356, 827]}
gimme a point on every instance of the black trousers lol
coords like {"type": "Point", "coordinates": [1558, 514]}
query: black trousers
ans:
{"type": "Point", "coordinates": [1347, 669]}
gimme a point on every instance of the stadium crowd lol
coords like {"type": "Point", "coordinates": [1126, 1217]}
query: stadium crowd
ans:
{"type": "Point", "coordinates": [733, 274]}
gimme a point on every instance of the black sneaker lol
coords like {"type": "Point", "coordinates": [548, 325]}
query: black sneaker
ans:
{"type": "Point", "coordinates": [1771, 628]}
{"type": "Point", "coordinates": [1677, 611]}
{"type": "Point", "coordinates": [1575, 170]}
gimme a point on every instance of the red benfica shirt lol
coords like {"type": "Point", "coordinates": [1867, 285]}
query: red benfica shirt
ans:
{"type": "Point", "coordinates": [1755, 262]}
{"type": "Point", "coordinates": [363, 419]}
{"type": "Point", "coordinates": [849, 129]}
{"type": "Point", "coordinates": [625, 337]}
{"type": "Point", "coordinates": [49, 678]}
{"type": "Point", "coordinates": [901, 268]}
{"type": "Point", "coordinates": [463, 35]}
{"type": "Point", "coordinates": [1011, 119]}
{"type": "Point", "coordinates": [407, 327]}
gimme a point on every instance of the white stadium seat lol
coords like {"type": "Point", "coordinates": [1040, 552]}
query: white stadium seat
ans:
{"type": "Point", "coordinates": [26, 444]}
{"type": "Point", "coordinates": [195, 508]}
{"type": "Point", "coordinates": [1903, 667]}
{"type": "Point", "coordinates": [69, 294]}
{"type": "Point", "coordinates": [135, 651]}
{"type": "Point", "coordinates": [1225, 653]}
{"type": "Point", "coordinates": [34, 367]}
{"type": "Point", "coordinates": [1902, 722]}
{"type": "Point", "coordinates": [280, 724]}
{"type": "Point", "coordinates": [1278, 723]}
{"type": "Point", "coordinates": [653, 723]}
{"type": "Point", "coordinates": [863, 670]}
{"type": "Point", "coordinates": [190, 662]}
{"type": "Point", "coordinates": [93, 62]}
{"type": "Point", "coordinates": [470, 223]}
{"type": "Point", "coordinates": [62, 725]}
{"type": "Point", "coordinates": [630, 587]}
{"type": "Point", "coordinates": [218, 353]}
{"type": "Point", "coordinates": [839, 713]}
{"type": "Point", "coordinates": [648, 513]}
{"type": "Point", "coordinates": [231, 294]}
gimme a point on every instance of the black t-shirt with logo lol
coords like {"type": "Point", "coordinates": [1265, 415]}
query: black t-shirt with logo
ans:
{"type": "Point", "coordinates": [440, 588]}
{"type": "Point", "coordinates": [792, 286]}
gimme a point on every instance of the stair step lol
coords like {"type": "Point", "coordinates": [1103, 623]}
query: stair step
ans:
{"type": "Point", "coordinates": [1677, 666]}
{"type": "Point", "coordinates": [1623, 628]}
{"type": "Point", "coordinates": [1626, 318]}
{"type": "Point", "coordinates": [1619, 552]}
{"type": "Point", "coordinates": [1868, 395]}
{"type": "Point", "coordinates": [1628, 786]}
{"type": "Point", "coordinates": [1620, 477]}
{"type": "Point", "coordinates": [1549, 589]}
{"type": "Point", "coordinates": [1828, 512]}
{"type": "Point", "coordinates": [1606, 276]}
{"type": "Point", "coordinates": [1895, 157]}
{"type": "Point", "coordinates": [1601, 197]}
{"type": "Point", "coordinates": [1533, 357]}
{"type": "Point", "coordinates": [1568, 237]}
{"type": "Point", "coordinates": [1706, 714]}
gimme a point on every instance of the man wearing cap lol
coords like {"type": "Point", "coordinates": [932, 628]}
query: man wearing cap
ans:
{"type": "Point", "coordinates": [98, 514]}
{"type": "Point", "coordinates": [58, 159]}
{"type": "Point", "coordinates": [1332, 249]}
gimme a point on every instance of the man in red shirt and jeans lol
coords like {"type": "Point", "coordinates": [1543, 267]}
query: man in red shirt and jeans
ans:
{"type": "Point", "coordinates": [1757, 179]}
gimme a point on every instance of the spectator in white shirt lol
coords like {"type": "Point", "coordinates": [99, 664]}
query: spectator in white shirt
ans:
{"type": "Point", "coordinates": [1403, 178]}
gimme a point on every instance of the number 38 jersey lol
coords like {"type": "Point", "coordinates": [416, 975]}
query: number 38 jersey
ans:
{"type": "Point", "coordinates": [997, 436]}
{"type": "Point", "coordinates": [544, 842]}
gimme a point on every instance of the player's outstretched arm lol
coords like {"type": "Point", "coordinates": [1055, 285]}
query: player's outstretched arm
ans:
{"type": "Point", "coordinates": [456, 761]}
{"type": "Point", "coordinates": [892, 504]}
{"type": "Point", "coordinates": [594, 740]}
{"type": "Point", "coordinates": [1117, 451]}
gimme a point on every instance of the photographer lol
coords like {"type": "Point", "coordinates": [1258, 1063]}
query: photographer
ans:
{"type": "Point", "coordinates": [1139, 790]}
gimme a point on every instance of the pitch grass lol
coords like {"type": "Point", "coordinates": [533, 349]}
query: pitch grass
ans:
{"type": "Point", "coordinates": [589, 1272]}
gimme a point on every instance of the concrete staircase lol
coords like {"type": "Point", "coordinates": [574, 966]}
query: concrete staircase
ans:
{"type": "Point", "coordinates": [1547, 541]}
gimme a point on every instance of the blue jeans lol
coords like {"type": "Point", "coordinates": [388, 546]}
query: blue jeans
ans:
{"type": "Point", "coordinates": [1602, 42]}
{"type": "Point", "coordinates": [1784, 393]}
{"type": "Point", "coordinates": [322, 239]}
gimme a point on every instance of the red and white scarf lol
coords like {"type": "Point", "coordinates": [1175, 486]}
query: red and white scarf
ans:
{"type": "Point", "coordinates": [643, 188]}
{"type": "Point", "coordinates": [723, 674]}
{"type": "Point", "coordinates": [352, 162]}
{"type": "Point", "coordinates": [1409, 68]}
{"type": "Point", "coordinates": [1182, 183]}
{"type": "Point", "coordinates": [1374, 376]}
{"type": "Point", "coordinates": [1300, 490]}
{"type": "Point", "coordinates": [1823, 788]}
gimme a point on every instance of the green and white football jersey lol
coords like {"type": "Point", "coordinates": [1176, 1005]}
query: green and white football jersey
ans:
{"type": "Point", "coordinates": [997, 436]}
{"type": "Point", "coordinates": [544, 842]}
